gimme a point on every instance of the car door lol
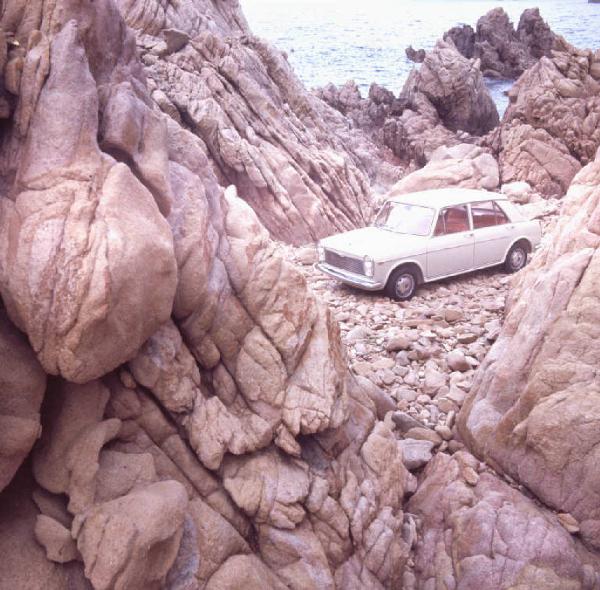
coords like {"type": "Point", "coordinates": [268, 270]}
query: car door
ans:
{"type": "Point", "coordinates": [450, 250]}
{"type": "Point", "coordinates": [493, 233]}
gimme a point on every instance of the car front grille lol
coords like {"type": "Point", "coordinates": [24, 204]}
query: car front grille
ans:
{"type": "Point", "coordinates": [354, 265]}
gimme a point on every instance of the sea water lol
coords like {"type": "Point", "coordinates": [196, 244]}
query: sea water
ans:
{"type": "Point", "coordinates": [364, 40]}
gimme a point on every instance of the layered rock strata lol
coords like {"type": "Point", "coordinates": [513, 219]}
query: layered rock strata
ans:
{"type": "Point", "coordinates": [292, 157]}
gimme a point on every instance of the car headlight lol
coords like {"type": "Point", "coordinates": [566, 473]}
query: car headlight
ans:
{"type": "Point", "coordinates": [320, 253]}
{"type": "Point", "coordinates": [368, 266]}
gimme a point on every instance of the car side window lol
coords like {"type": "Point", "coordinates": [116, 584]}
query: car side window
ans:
{"type": "Point", "coordinates": [452, 220]}
{"type": "Point", "coordinates": [440, 226]}
{"type": "Point", "coordinates": [500, 215]}
{"type": "Point", "coordinates": [484, 214]}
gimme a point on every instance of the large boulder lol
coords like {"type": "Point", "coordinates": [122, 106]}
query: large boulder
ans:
{"type": "Point", "coordinates": [132, 542]}
{"type": "Point", "coordinates": [478, 532]}
{"type": "Point", "coordinates": [527, 154]}
{"type": "Point", "coordinates": [463, 165]}
{"type": "Point", "coordinates": [533, 409]}
{"type": "Point", "coordinates": [87, 267]}
{"type": "Point", "coordinates": [417, 133]}
{"type": "Point", "coordinates": [551, 126]}
{"type": "Point", "coordinates": [454, 86]}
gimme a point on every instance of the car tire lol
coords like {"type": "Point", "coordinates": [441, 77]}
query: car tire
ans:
{"type": "Point", "coordinates": [402, 284]}
{"type": "Point", "coordinates": [516, 258]}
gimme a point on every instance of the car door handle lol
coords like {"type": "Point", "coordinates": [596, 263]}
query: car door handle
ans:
{"type": "Point", "coordinates": [470, 235]}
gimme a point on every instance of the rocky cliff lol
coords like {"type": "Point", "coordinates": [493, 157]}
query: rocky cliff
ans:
{"type": "Point", "coordinates": [550, 128]}
{"type": "Point", "coordinates": [291, 157]}
{"type": "Point", "coordinates": [176, 406]}
{"type": "Point", "coordinates": [532, 411]}
{"type": "Point", "coordinates": [199, 427]}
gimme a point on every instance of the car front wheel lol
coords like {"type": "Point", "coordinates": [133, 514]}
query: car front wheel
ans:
{"type": "Point", "coordinates": [402, 284]}
{"type": "Point", "coordinates": [516, 258]}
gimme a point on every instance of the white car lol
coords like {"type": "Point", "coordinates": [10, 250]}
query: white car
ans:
{"type": "Point", "coordinates": [421, 237]}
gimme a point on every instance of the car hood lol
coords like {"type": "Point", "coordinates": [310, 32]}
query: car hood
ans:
{"type": "Point", "coordinates": [379, 244]}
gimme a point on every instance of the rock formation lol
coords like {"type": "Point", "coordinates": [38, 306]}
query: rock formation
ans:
{"type": "Point", "coordinates": [454, 86]}
{"type": "Point", "coordinates": [200, 429]}
{"type": "Point", "coordinates": [533, 409]}
{"type": "Point", "coordinates": [464, 165]}
{"type": "Point", "coordinates": [176, 403]}
{"type": "Point", "coordinates": [416, 55]}
{"type": "Point", "coordinates": [291, 157]}
{"type": "Point", "coordinates": [441, 104]}
{"type": "Point", "coordinates": [505, 52]}
{"type": "Point", "coordinates": [478, 532]}
{"type": "Point", "coordinates": [551, 127]}
{"type": "Point", "coordinates": [22, 385]}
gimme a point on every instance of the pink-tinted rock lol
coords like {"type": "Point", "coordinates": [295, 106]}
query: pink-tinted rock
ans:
{"type": "Point", "coordinates": [217, 438]}
{"type": "Point", "coordinates": [264, 131]}
{"type": "Point", "coordinates": [56, 539]}
{"type": "Point", "coordinates": [24, 563]}
{"type": "Point", "coordinates": [444, 96]}
{"type": "Point", "coordinates": [455, 88]}
{"type": "Point", "coordinates": [533, 408]}
{"type": "Point", "coordinates": [132, 542]}
{"type": "Point", "coordinates": [480, 532]}
{"type": "Point", "coordinates": [86, 259]}
{"type": "Point", "coordinates": [464, 165]}
{"type": "Point", "coordinates": [245, 571]}
{"type": "Point", "coordinates": [534, 156]}
{"type": "Point", "coordinates": [72, 414]}
{"type": "Point", "coordinates": [505, 52]}
{"type": "Point", "coordinates": [551, 127]}
{"type": "Point", "coordinates": [22, 386]}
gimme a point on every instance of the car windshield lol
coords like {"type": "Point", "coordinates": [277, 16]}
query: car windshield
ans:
{"type": "Point", "coordinates": [405, 219]}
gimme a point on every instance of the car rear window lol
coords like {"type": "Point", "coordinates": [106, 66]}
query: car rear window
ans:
{"type": "Point", "coordinates": [487, 214]}
{"type": "Point", "coordinates": [500, 215]}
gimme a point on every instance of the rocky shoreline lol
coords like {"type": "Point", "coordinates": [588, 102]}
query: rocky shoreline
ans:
{"type": "Point", "coordinates": [185, 403]}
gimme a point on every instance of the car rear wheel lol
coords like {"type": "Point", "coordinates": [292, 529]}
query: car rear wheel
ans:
{"type": "Point", "coordinates": [402, 284]}
{"type": "Point", "coordinates": [516, 258]}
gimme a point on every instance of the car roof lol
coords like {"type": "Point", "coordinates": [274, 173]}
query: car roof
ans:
{"type": "Point", "coordinates": [446, 197]}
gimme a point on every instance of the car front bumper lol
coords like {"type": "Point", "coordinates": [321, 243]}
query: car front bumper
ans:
{"type": "Point", "coordinates": [350, 278]}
